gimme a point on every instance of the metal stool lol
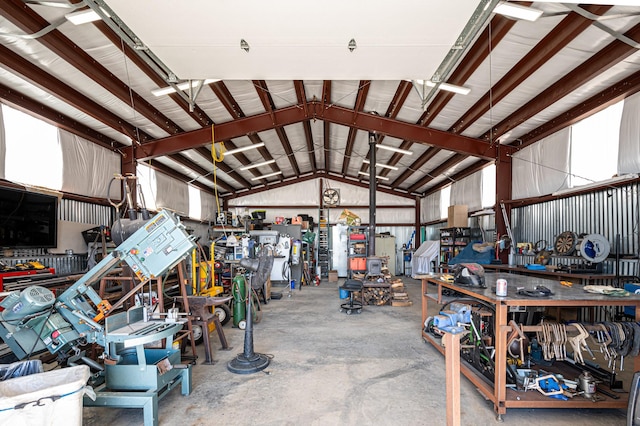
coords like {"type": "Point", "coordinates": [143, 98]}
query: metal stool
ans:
{"type": "Point", "coordinates": [352, 305]}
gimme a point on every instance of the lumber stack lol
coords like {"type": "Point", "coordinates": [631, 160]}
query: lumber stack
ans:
{"type": "Point", "coordinates": [399, 296]}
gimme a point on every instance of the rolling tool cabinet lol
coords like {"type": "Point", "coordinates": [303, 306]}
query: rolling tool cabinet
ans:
{"type": "Point", "coordinates": [497, 391]}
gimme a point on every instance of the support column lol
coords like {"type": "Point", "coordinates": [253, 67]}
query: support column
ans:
{"type": "Point", "coordinates": [503, 193]}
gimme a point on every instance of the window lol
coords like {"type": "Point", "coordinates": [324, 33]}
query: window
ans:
{"type": "Point", "coordinates": [33, 153]}
{"type": "Point", "coordinates": [594, 146]}
{"type": "Point", "coordinates": [195, 204]}
{"type": "Point", "coordinates": [489, 186]}
{"type": "Point", "coordinates": [445, 197]}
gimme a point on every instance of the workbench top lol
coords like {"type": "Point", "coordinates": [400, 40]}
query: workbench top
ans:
{"type": "Point", "coordinates": [561, 295]}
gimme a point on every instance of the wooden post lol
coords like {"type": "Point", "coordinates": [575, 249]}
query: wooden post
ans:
{"type": "Point", "coordinates": [452, 370]}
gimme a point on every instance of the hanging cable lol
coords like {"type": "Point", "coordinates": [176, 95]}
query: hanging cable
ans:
{"type": "Point", "coordinates": [216, 159]}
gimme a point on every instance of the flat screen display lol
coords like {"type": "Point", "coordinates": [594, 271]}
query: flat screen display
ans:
{"type": "Point", "coordinates": [27, 219]}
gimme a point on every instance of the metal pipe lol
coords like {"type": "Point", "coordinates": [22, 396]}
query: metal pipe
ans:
{"type": "Point", "coordinates": [372, 193]}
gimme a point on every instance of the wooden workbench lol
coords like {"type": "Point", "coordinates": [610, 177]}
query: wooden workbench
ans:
{"type": "Point", "coordinates": [594, 278]}
{"type": "Point", "coordinates": [497, 392]}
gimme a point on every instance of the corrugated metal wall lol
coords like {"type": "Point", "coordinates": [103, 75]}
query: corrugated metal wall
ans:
{"type": "Point", "coordinates": [79, 211]}
{"type": "Point", "coordinates": [613, 212]}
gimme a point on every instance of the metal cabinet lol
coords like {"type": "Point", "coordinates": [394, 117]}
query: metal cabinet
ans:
{"type": "Point", "coordinates": [386, 247]}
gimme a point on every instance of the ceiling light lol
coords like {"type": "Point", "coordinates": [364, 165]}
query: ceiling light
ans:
{"type": "Point", "coordinates": [266, 176]}
{"type": "Point", "coordinates": [253, 166]}
{"type": "Point", "coordinates": [82, 17]}
{"type": "Point", "coordinates": [182, 86]}
{"type": "Point", "coordinates": [449, 87]}
{"type": "Point", "coordinates": [517, 12]}
{"type": "Point", "coordinates": [244, 45]}
{"type": "Point", "coordinates": [386, 166]}
{"type": "Point", "coordinates": [352, 45]}
{"type": "Point", "coordinates": [394, 149]}
{"type": "Point", "coordinates": [244, 148]}
{"type": "Point", "coordinates": [377, 177]}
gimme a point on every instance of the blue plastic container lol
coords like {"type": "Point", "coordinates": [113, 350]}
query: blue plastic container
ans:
{"type": "Point", "coordinates": [344, 294]}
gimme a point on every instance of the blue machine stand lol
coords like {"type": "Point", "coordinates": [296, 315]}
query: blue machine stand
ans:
{"type": "Point", "coordinates": [141, 376]}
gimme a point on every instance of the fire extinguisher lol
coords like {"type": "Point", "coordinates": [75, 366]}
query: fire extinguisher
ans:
{"type": "Point", "coordinates": [239, 291]}
{"type": "Point", "coordinates": [295, 252]}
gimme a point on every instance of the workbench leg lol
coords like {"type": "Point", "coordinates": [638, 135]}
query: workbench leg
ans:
{"type": "Point", "coordinates": [452, 370]}
{"type": "Point", "coordinates": [500, 370]}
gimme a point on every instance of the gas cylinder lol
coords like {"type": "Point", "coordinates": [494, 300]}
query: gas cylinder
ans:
{"type": "Point", "coordinates": [239, 292]}
{"type": "Point", "coordinates": [296, 248]}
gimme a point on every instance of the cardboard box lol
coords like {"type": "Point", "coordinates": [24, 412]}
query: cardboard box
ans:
{"type": "Point", "coordinates": [333, 276]}
{"type": "Point", "coordinates": [458, 216]}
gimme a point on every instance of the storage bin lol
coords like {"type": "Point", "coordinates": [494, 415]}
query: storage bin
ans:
{"type": "Point", "coordinates": [358, 263]}
{"type": "Point", "coordinates": [51, 398]}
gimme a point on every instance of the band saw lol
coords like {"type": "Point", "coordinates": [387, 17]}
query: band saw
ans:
{"type": "Point", "coordinates": [133, 376]}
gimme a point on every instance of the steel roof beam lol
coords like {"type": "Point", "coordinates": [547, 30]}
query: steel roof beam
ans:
{"type": "Point", "coordinates": [66, 93]}
{"type": "Point", "coordinates": [477, 166]}
{"type": "Point", "coordinates": [361, 98]}
{"type": "Point", "coordinates": [452, 161]}
{"type": "Point", "coordinates": [609, 56]}
{"type": "Point", "coordinates": [197, 114]}
{"type": "Point", "coordinates": [177, 175]}
{"type": "Point", "coordinates": [28, 20]}
{"type": "Point", "coordinates": [201, 171]}
{"type": "Point", "coordinates": [326, 100]}
{"type": "Point", "coordinates": [206, 154]}
{"type": "Point", "coordinates": [308, 134]}
{"type": "Point", "coordinates": [32, 107]}
{"type": "Point", "coordinates": [269, 106]}
{"type": "Point", "coordinates": [416, 166]}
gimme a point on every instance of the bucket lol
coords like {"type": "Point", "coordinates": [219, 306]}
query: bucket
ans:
{"type": "Point", "coordinates": [344, 294]}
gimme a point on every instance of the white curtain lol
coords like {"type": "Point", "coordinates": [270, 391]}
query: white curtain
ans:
{"type": "Point", "coordinates": [208, 207]}
{"type": "Point", "coordinates": [172, 194]}
{"type": "Point", "coordinates": [629, 148]}
{"type": "Point", "coordinates": [468, 191]}
{"type": "Point", "coordinates": [542, 168]}
{"type": "Point", "coordinates": [87, 168]}
{"type": "Point", "coordinates": [430, 208]}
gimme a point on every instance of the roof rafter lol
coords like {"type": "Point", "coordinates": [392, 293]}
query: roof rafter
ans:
{"type": "Point", "coordinates": [565, 32]}
{"type": "Point", "coordinates": [361, 98]}
{"type": "Point", "coordinates": [308, 134]}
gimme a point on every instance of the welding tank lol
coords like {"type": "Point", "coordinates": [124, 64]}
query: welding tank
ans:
{"type": "Point", "coordinates": [124, 228]}
{"type": "Point", "coordinates": [239, 291]}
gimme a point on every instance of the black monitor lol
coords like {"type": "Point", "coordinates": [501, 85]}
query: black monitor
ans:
{"type": "Point", "coordinates": [27, 219]}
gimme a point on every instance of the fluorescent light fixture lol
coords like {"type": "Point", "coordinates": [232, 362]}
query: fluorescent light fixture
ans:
{"type": "Point", "coordinates": [517, 12]}
{"type": "Point", "coordinates": [386, 166]}
{"type": "Point", "coordinates": [266, 176]}
{"type": "Point", "coordinates": [253, 166]}
{"type": "Point", "coordinates": [377, 177]}
{"type": "Point", "coordinates": [82, 17]}
{"type": "Point", "coordinates": [394, 149]}
{"type": "Point", "coordinates": [461, 90]}
{"type": "Point", "coordinates": [244, 148]}
{"type": "Point", "coordinates": [182, 86]}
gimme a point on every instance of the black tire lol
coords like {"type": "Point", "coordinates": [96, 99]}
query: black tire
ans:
{"type": "Point", "coordinates": [224, 313]}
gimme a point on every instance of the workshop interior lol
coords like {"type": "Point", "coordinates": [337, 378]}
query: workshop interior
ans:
{"type": "Point", "coordinates": [230, 199]}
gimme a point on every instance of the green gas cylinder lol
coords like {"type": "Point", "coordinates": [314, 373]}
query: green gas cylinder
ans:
{"type": "Point", "coordinates": [239, 291]}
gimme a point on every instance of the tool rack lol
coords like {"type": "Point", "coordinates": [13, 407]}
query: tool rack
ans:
{"type": "Point", "coordinates": [497, 391]}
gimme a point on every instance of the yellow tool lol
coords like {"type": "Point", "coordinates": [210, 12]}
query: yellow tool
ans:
{"type": "Point", "coordinates": [566, 283]}
{"type": "Point", "coordinates": [447, 277]}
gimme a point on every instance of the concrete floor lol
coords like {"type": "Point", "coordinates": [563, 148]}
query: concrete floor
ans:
{"type": "Point", "coordinates": [332, 369]}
